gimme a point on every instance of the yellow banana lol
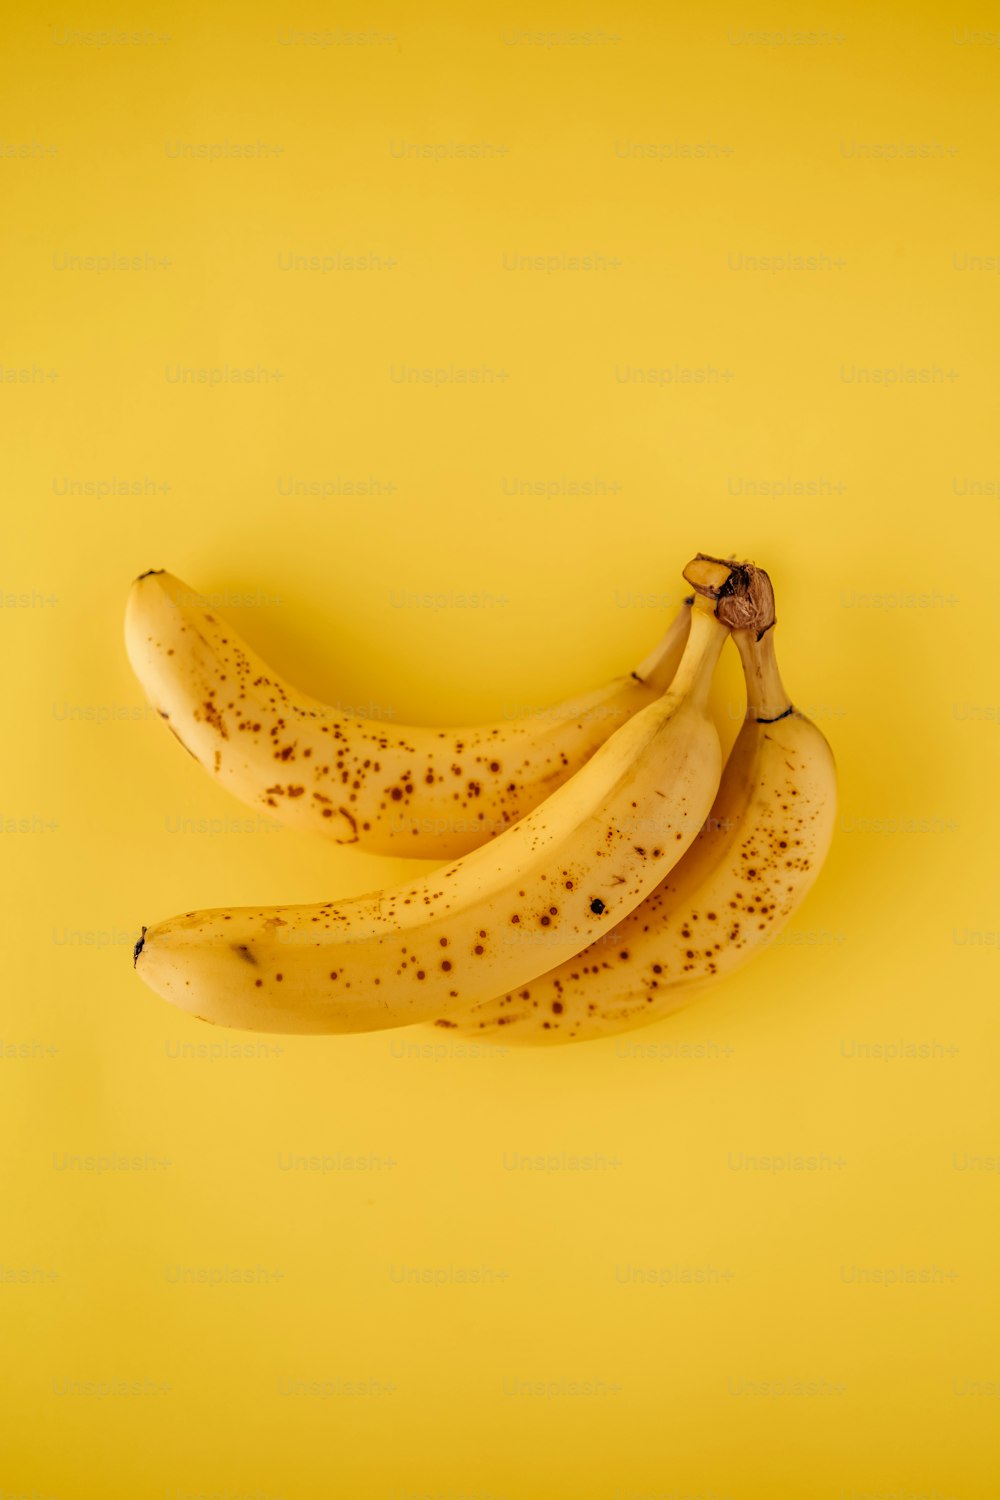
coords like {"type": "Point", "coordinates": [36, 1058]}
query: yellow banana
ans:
{"type": "Point", "coordinates": [389, 788]}
{"type": "Point", "coordinates": [565, 872]}
{"type": "Point", "coordinates": [749, 869]}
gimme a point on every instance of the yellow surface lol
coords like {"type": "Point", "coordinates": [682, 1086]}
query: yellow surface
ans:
{"type": "Point", "coordinates": [749, 1252]}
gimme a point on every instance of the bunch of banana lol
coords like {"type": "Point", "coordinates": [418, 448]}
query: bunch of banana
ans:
{"type": "Point", "coordinates": [600, 904]}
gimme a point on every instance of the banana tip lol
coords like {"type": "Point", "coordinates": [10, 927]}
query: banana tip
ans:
{"type": "Point", "coordinates": [149, 573]}
{"type": "Point", "coordinates": [138, 948]}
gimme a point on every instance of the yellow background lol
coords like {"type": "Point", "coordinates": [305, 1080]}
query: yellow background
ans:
{"type": "Point", "coordinates": [473, 1327]}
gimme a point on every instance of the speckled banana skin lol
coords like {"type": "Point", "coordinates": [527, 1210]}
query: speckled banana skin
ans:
{"type": "Point", "coordinates": [750, 868]}
{"type": "Point", "coordinates": [391, 789]}
{"type": "Point", "coordinates": [494, 919]}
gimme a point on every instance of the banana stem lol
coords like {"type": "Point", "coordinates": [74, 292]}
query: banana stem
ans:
{"type": "Point", "coordinates": [705, 641]}
{"type": "Point", "coordinates": [767, 699]}
{"type": "Point", "coordinates": [742, 592]}
{"type": "Point", "coordinates": [744, 603]}
{"type": "Point", "coordinates": [658, 669]}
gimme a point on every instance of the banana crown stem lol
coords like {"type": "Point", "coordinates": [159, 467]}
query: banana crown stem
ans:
{"type": "Point", "coordinates": [742, 593]}
{"type": "Point", "coordinates": [743, 602]}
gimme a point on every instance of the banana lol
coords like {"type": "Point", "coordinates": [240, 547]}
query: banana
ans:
{"type": "Point", "coordinates": [391, 789]}
{"type": "Point", "coordinates": [550, 884]}
{"type": "Point", "coordinates": [748, 870]}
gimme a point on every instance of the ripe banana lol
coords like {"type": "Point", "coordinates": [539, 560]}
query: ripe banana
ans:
{"type": "Point", "coordinates": [389, 788]}
{"type": "Point", "coordinates": [565, 872]}
{"type": "Point", "coordinates": [749, 869]}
